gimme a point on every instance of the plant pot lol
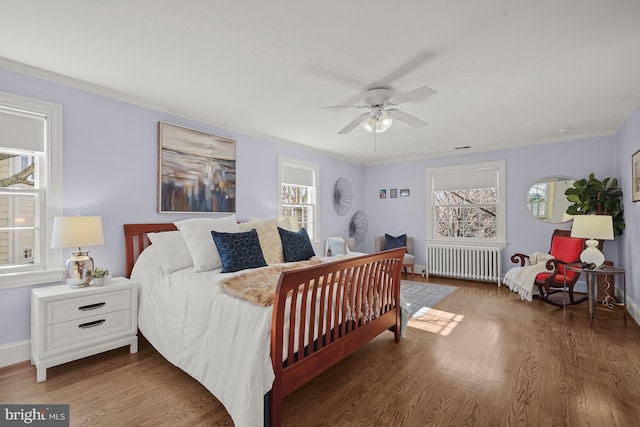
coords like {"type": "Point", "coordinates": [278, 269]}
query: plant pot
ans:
{"type": "Point", "coordinates": [98, 281]}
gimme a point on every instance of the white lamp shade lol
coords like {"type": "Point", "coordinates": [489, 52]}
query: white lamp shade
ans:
{"type": "Point", "coordinates": [76, 231]}
{"type": "Point", "coordinates": [592, 227]}
{"type": "Point", "coordinates": [598, 227]}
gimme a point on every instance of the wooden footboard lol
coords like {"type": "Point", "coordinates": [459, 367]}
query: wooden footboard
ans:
{"type": "Point", "coordinates": [352, 301]}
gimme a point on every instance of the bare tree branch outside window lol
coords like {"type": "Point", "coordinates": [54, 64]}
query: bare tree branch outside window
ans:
{"type": "Point", "coordinates": [297, 201]}
{"type": "Point", "coordinates": [469, 213]}
{"type": "Point", "coordinates": [18, 208]}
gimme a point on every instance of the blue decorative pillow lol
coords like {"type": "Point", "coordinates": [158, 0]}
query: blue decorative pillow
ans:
{"type": "Point", "coordinates": [239, 251]}
{"type": "Point", "coordinates": [391, 242]}
{"type": "Point", "coordinates": [296, 246]}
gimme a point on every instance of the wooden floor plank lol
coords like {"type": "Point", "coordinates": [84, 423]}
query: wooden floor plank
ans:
{"type": "Point", "coordinates": [482, 357]}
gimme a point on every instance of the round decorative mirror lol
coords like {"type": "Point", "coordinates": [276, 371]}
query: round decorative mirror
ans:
{"type": "Point", "coordinates": [546, 200]}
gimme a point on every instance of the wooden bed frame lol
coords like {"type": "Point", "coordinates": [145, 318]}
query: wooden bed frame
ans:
{"type": "Point", "coordinates": [369, 282]}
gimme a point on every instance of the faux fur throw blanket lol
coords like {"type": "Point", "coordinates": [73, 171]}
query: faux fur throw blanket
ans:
{"type": "Point", "coordinates": [259, 286]}
{"type": "Point", "coordinates": [522, 279]}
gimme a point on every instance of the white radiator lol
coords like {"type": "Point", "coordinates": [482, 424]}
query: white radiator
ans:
{"type": "Point", "coordinates": [464, 261]}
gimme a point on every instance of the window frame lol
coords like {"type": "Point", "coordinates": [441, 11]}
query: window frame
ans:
{"type": "Point", "coordinates": [49, 269]}
{"type": "Point", "coordinates": [501, 220]}
{"type": "Point", "coordinates": [284, 161]}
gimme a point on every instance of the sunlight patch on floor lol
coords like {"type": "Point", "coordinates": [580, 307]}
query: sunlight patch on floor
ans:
{"type": "Point", "coordinates": [435, 321]}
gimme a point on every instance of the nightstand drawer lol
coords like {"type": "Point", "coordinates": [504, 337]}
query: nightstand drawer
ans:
{"type": "Point", "coordinates": [91, 305]}
{"type": "Point", "coordinates": [65, 334]}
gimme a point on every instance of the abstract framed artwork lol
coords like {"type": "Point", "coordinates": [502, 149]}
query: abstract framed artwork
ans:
{"type": "Point", "coordinates": [635, 176]}
{"type": "Point", "coordinates": [404, 192]}
{"type": "Point", "coordinates": [393, 193]}
{"type": "Point", "coordinates": [196, 171]}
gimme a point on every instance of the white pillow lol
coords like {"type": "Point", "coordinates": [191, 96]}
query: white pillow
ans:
{"type": "Point", "coordinates": [269, 238]}
{"type": "Point", "coordinates": [172, 250]}
{"type": "Point", "coordinates": [197, 235]}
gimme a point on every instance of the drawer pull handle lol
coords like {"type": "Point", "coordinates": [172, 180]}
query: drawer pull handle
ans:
{"type": "Point", "coordinates": [92, 306]}
{"type": "Point", "coordinates": [92, 324]}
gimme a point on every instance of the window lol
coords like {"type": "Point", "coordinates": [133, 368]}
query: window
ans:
{"type": "Point", "coordinates": [30, 189]}
{"type": "Point", "coordinates": [298, 187]}
{"type": "Point", "coordinates": [466, 203]}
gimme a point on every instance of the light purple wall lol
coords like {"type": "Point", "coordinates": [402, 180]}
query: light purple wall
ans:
{"type": "Point", "coordinates": [110, 161]}
{"type": "Point", "coordinates": [110, 169]}
{"type": "Point", "coordinates": [628, 142]}
{"type": "Point", "coordinates": [524, 166]}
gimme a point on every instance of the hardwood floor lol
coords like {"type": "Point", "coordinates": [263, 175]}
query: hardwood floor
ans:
{"type": "Point", "coordinates": [481, 358]}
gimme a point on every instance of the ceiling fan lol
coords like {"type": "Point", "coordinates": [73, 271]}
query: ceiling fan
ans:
{"type": "Point", "coordinates": [380, 116]}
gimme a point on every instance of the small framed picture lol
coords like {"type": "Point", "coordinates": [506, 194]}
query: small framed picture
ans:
{"type": "Point", "coordinates": [383, 194]}
{"type": "Point", "coordinates": [635, 176]}
{"type": "Point", "coordinates": [404, 192]}
{"type": "Point", "coordinates": [393, 193]}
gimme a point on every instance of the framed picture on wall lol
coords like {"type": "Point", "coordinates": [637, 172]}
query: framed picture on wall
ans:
{"type": "Point", "coordinates": [404, 192]}
{"type": "Point", "coordinates": [635, 176]}
{"type": "Point", "coordinates": [393, 193]}
{"type": "Point", "coordinates": [196, 171]}
{"type": "Point", "coordinates": [383, 194]}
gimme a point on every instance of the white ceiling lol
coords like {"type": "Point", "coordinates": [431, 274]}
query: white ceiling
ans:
{"type": "Point", "coordinates": [508, 73]}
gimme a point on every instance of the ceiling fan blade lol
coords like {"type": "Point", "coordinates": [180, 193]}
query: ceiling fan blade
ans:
{"type": "Point", "coordinates": [351, 126]}
{"type": "Point", "coordinates": [407, 118]}
{"type": "Point", "coordinates": [324, 74]}
{"type": "Point", "coordinates": [404, 69]}
{"type": "Point", "coordinates": [414, 95]}
{"type": "Point", "coordinates": [346, 106]}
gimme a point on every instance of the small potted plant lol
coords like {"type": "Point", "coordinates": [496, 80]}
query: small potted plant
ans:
{"type": "Point", "coordinates": [99, 276]}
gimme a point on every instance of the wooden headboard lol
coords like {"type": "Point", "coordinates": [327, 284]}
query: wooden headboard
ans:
{"type": "Point", "coordinates": [135, 240]}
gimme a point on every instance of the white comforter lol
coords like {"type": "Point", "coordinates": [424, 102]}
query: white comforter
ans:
{"type": "Point", "coordinates": [185, 316]}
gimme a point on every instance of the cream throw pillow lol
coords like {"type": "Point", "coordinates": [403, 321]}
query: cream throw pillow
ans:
{"type": "Point", "coordinates": [288, 223]}
{"type": "Point", "coordinates": [269, 238]}
{"type": "Point", "coordinates": [197, 235]}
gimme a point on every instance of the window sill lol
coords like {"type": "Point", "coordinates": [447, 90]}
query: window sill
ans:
{"type": "Point", "coordinates": [31, 278]}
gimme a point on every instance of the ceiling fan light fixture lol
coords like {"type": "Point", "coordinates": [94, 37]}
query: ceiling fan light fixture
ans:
{"type": "Point", "coordinates": [381, 123]}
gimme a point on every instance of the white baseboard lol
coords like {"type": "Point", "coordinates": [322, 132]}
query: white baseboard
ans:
{"type": "Point", "coordinates": [632, 308]}
{"type": "Point", "coordinates": [418, 269]}
{"type": "Point", "coordinates": [15, 352]}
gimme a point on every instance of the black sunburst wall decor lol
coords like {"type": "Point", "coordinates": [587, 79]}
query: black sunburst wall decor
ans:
{"type": "Point", "coordinates": [358, 225]}
{"type": "Point", "coordinates": [342, 196]}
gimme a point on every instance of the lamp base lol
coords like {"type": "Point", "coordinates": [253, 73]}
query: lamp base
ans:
{"type": "Point", "coordinates": [592, 255]}
{"type": "Point", "coordinates": [79, 269]}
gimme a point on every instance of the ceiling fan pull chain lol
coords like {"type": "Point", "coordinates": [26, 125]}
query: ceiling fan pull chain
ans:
{"type": "Point", "coordinates": [375, 139]}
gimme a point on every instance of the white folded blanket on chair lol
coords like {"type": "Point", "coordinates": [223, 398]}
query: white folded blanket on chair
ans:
{"type": "Point", "coordinates": [522, 279]}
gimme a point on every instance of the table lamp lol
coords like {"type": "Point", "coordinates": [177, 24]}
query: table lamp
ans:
{"type": "Point", "coordinates": [593, 228]}
{"type": "Point", "coordinates": [77, 231]}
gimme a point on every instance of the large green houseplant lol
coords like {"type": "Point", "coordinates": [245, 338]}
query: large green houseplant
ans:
{"type": "Point", "coordinates": [592, 196]}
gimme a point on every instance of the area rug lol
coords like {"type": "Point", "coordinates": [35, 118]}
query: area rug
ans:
{"type": "Point", "coordinates": [421, 297]}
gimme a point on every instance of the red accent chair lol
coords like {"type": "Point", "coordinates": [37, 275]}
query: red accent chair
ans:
{"type": "Point", "coordinates": [565, 250]}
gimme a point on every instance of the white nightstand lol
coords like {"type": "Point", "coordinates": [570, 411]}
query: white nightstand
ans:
{"type": "Point", "coordinates": [68, 324]}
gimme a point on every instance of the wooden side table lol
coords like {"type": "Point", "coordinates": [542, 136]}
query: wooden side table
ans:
{"type": "Point", "coordinates": [592, 291]}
